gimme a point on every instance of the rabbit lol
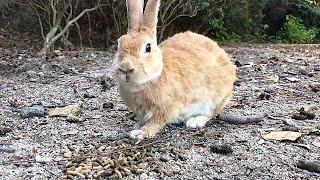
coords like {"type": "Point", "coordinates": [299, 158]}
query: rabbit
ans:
{"type": "Point", "coordinates": [187, 78]}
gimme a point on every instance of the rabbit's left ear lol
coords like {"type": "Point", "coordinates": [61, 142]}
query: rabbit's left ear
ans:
{"type": "Point", "coordinates": [150, 17]}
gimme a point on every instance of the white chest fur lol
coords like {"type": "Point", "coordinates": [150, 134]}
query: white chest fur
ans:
{"type": "Point", "coordinates": [203, 108]}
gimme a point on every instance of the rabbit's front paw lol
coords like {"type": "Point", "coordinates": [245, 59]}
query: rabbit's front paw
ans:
{"type": "Point", "coordinates": [197, 121]}
{"type": "Point", "coordinates": [137, 134]}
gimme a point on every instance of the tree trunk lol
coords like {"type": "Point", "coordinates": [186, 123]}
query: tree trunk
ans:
{"type": "Point", "coordinates": [49, 40]}
{"type": "Point", "coordinates": [52, 37]}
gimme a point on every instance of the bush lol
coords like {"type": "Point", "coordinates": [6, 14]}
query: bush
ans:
{"type": "Point", "coordinates": [234, 21]}
{"type": "Point", "coordinates": [294, 31]}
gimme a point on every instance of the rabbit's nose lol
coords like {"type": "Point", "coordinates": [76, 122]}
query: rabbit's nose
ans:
{"type": "Point", "coordinates": [126, 74]}
{"type": "Point", "coordinates": [126, 71]}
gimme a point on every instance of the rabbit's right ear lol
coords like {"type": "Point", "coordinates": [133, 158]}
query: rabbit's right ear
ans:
{"type": "Point", "coordinates": [134, 12]}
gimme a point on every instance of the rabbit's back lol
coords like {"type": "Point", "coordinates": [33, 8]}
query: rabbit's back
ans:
{"type": "Point", "coordinates": [199, 60]}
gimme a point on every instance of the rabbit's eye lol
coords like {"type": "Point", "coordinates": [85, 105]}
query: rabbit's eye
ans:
{"type": "Point", "coordinates": [148, 48]}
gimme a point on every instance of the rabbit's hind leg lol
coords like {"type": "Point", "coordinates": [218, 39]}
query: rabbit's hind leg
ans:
{"type": "Point", "coordinates": [197, 121]}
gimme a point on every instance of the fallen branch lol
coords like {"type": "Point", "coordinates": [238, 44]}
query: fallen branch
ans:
{"type": "Point", "coordinates": [309, 166]}
{"type": "Point", "coordinates": [237, 119]}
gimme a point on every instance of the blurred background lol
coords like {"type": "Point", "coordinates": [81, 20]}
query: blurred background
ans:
{"type": "Point", "coordinates": [74, 24]}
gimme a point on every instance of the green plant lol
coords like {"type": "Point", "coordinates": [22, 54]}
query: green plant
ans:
{"type": "Point", "coordinates": [294, 31]}
{"type": "Point", "coordinates": [233, 21]}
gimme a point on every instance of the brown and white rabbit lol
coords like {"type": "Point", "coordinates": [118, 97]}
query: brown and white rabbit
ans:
{"type": "Point", "coordinates": [187, 78]}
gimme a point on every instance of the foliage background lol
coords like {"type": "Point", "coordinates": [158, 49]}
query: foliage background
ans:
{"type": "Point", "coordinates": [227, 21]}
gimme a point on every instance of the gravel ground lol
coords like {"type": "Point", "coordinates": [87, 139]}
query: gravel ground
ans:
{"type": "Point", "coordinates": [277, 80]}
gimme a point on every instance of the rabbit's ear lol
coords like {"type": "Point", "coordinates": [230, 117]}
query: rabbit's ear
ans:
{"type": "Point", "coordinates": [134, 12]}
{"type": "Point", "coordinates": [150, 16]}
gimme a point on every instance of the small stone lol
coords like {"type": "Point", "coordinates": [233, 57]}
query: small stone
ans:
{"type": "Point", "coordinates": [292, 79]}
{"type": "Point", "coordinates": [32, 74]}
{"type": "Point", "coordinates": [303, 71]}
{"type": "Point", "coordinates": [108, 105]}
{"type": "Point", "coordinates": [163, 159]}
{"type": "Point", "coordinates": [311, 74]}
{"type": "Point", "coordinates": [315, 87]}
{"type": "Point", "coordinates": [289, 122]}
{"type": "Point", "coordinates": [264, 96]}
{"type": "Point", "coordinates": [23, 154]}
{"type": "Point", "coordinates": [67, 71]}
{"type": "Point", "coordinates": [299, 117]}
{"type": "Point", "coordinates": [4, 131]}
{"type": "Point", "coordinates": [7, 150]}
{"type": "Point", "coordinates": [221, 149]}
{"type": "Point", "coordinates": [182, 157]}
{"type": "Point", "coordinates": [3, 86]}
{"type": "Point", "coordinates": [89, 96]}
{"type": "Point", "coordinates": [32, 111]}
{"type": "Point", "coordinates": [42, 159]}
{"type": "Point", "coordinates": [266, 178]}
{"type": "Point", "coordinates": [238, 63]}
{"type": "Point", "coordinates": [107, 82]}
{"type": "Point", "coordinates": [143, 176]}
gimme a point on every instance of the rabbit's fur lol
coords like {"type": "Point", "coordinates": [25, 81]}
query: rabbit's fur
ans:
{"type": "Point", "coordinates": [187, 78]}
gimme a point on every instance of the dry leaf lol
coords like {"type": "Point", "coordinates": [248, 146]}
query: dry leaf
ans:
{"type": "Point", "coordinates": [274, 78]}
{"type": "Point", "coordinates": [74, 119]}
{"type": "Point", "coordinates": [14, 158]}
{"type": "Point", "coordinates": [14, 103]}
{"type": "Point", "coordinates": [64, 111]}
{"type": "Point", "coordinates": [282, 135]}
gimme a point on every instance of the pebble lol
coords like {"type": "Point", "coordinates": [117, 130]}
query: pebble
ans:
{"type": "Point", "coordinates": [292, 79]}
{"type": "Point", "coordinates": [32, 74]}
{"type": "Point", "coordinates": [163, 159]}
{"type": "Point", "coordinates": [143, 176]}
{"type": "Point", "coordinates": [4, 130]}
{"type": "Point", "coordinates": [42, 159]}
{"type": "Point", "coordinates": [107, 82]}
{"type": "Point", "coordinates": [264, 96]}
{"type": "Point", "coordinates": [3, 86]}
{"type": "Point", "coordinates": [89, 96]}
{"type": "Point", "coordinates": [32, 111]}
{"type": "Point", "coordinates": [303, 71]}
{"type": "Point", "coordinates": [289, 122]}
{"type": "Point", "coordinates": [108, 105]}
{"type": "Point", "coordinates": [23, 154]}
{"type": "Point", "coordinates": [221, 149]}
{"type": "Point", "coordinates": [7, 150]}
{"type": "Point", "coordinates": [266, 178]}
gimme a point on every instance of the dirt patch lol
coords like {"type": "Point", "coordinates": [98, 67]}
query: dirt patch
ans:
{"type": "Point", "coordinates": [277, 80]}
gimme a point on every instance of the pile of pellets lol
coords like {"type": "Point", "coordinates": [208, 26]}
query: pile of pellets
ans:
{"type": "Point", "coordinates": [121, 158]}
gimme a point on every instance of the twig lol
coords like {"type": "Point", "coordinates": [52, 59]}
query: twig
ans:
{"type": "Point", "coordinates": [309, 166]}
{"type": "Point", "coordinates": [240, 119]}
{"type": "Point", "coordinates": [49, 171]}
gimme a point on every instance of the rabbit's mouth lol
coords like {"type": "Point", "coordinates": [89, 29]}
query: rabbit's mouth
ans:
{"type": "Point", "coordinates": [126, 77]}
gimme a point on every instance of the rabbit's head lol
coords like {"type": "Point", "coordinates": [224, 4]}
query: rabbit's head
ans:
{"type": "Point", "coordinates": [139, 59]}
